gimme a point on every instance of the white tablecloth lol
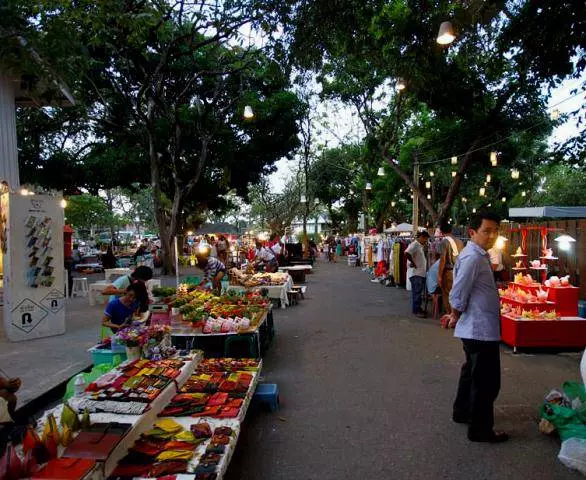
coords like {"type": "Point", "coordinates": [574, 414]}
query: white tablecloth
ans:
{"type": "Point", "coordinates": [274, 291]}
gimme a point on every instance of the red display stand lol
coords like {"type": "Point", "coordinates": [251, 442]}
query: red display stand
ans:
{"type": "Point", "coordinates": [532, 289]}
{"type": "Point", "coordinates": [539, 306]}
{"type": "Point", "coordinates": [565, 299]}
{"type": "Point", "coordinates": [567, 332]}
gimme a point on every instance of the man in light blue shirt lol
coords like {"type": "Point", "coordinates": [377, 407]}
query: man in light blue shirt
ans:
{"type": "Point", "coordinates": [476, 316]}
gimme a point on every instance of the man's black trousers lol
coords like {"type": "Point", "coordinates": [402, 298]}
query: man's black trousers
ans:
{"type": "Point", "coordinates": [480, 383]}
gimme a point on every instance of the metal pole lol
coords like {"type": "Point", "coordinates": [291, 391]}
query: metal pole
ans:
{"type": "Point", "coordinates": [415, 220]}
{"type": "Point", "coordinates": [176, 261]}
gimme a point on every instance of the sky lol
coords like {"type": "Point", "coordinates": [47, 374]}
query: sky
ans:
{"type": "Point", "coordinates": [345, 126]}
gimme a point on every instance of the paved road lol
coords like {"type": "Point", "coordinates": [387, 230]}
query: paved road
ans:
{"type": "Point", "coordinates": [366, 392]}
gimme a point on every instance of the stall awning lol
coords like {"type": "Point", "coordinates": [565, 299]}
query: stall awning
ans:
{"type": "Point", "coordinates": [549, 212]}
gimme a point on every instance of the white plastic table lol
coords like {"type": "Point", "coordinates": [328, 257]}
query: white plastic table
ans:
{"type": "Point", "coordinates": [116, 272]}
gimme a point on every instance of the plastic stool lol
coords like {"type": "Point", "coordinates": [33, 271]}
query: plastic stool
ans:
{"type": "Point", "coordinates": [80, 287]}
{"type": "Point", "coordinates": [238, 339]}
{"type": "Point", "coordinates": [268, 393]}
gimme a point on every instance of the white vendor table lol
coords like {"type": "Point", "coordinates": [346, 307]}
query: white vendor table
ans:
{"type": "Point", "coordinates": [297, 272]}
{"type": "Point", "coordinates": [116, 272]}
{"type": "Point", "coordinates": [277, 292]}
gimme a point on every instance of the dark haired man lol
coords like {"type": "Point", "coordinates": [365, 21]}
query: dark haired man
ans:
{"type": "Point", "coordinates": [450, 249]}
{"type": "Point", "coordinates": [476, 316]}
{"type": "Point", "coordinates": [418, 263]}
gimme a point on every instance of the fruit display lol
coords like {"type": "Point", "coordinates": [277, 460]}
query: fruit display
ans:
{"type": "Point", "coordinates": [249, 280]}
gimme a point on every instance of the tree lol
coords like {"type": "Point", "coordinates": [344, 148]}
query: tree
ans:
{"type": "Point", "coordinates": [88, 212]}
{"type": "Point", "coordinates": [562, 186]}
{"type": "Point", "coordinates": [474, 95]}
{"type": "Point", "coordinates": [275, 211]}
{"type": "Point", "coordinates": [166, 84]}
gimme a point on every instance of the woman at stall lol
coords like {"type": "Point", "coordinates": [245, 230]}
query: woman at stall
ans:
{"type": "Point", "coordinates": [267, 257]}
{"type": "Point", "coordinates": [141, 274]}
{"type": "Point", "coordinates": [118, 313]}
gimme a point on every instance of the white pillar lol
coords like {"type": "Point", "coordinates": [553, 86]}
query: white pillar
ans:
{"type": "Point", "coordinates": [8, 145]}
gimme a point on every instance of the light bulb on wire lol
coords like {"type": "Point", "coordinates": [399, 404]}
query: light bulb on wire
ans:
{"type": "Point", "coordinates": [493, 159]}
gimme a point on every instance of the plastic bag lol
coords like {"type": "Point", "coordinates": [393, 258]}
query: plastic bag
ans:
{"type": "Point", "coordinates": [94, 374]}
{"type": "Point", "coordinates": [573, 454]}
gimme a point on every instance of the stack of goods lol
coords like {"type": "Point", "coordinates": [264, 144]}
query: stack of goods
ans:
{"type": "Point", "coordinates": [556, 282]}
{"type": "Point", "coordinates": [233, 312]}
{"type": "Point", "coordinates": [526, 281]}
{"type": "Point", "coordinates": [228, 365]}
{"type": "Point", "coordinates": [170, 449]}
{"type": "Point", "coordinates": [249, 280]}
{"type": "Point", "coordinates": [526, 305]}
{"type": "Point", "coordinates": [217, 395]}
{"type": "Point", "coordinates": [131, 388]}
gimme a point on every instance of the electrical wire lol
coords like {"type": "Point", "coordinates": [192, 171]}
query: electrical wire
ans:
{"type": "Point", "coordinates": [505, 138]}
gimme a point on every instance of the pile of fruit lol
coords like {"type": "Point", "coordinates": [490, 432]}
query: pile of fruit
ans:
{"type": "Point", "coordinates": [196, 306]}
{"type": "Point", "coordinates": [249, 280]}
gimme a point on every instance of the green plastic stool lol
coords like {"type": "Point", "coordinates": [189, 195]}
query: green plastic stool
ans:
{"type": "Point", "coordinates": [239, 339]}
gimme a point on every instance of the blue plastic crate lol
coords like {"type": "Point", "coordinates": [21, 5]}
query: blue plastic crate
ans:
{"type": "Point", "coordinates": [104, 355]}
{"type": "Point", "coordinates": [267, 393]}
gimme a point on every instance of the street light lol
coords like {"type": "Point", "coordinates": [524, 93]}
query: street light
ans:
{"type": "Point", "coordinates": [303, 199]}
{"type": "Point", "coordinates": [445, 35]}
{"type": "Point", "coordinates": [316, 201]}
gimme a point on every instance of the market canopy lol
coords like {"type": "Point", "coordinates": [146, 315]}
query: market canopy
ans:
{"type": "Point", "coordinates": [550, 212]}
{"type": "Point", "coordinates": [402, 228]}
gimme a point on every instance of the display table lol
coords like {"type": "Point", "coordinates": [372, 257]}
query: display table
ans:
{"type": "Point", "coordinates": [567, 332]}
{"type": "Point", "coordinates": [565, 299]}
{"type": "Point", "coordinates": [184, 335]}
{"type": "Point", "coordinates": [276, 292]}
{"type": "Point", "coordinates": [140, 423]}
{"type": "Point", "coordinates": [297, 272]}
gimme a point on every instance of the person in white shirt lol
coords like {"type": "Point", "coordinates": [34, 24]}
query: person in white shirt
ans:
{"type": "Point", "coordinates": [418, 263]}
{"type": "Point", "coordinates": [267, 256]}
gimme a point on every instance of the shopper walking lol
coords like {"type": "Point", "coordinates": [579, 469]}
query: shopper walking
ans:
{"type": "Point", "coordinates": [418, 264]}
{"type": "Point", "coordinates": [450, 249]}
{"type": "Point", "coordinates": [476, 316]}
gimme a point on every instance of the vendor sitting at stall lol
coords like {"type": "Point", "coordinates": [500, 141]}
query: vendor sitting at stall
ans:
{"type": "Point", "coordinates": [141, 274]}
{"type": "Point", "coordinates": [213, 269]}
{"type": "Point", "coordinates": [119, 312]}
{"type": "Point", "coordinates": [267, 257]}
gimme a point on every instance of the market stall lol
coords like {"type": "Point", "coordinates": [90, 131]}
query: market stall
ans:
{"type": "Point", "coordinates": [189, 427]}
{"type": "Point", "coordinates": [541, 315]}
{"type": "Point", "coordinates": [276, 284]}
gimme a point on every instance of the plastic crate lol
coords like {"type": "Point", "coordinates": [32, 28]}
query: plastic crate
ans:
{"type": "Point", "coordinates": [105, 355]}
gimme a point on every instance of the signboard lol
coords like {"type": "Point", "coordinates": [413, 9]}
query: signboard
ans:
{"type": "Point", "coordinates": [33, 266]}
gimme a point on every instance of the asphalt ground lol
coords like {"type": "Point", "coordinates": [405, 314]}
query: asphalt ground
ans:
{"type": "Point", "coordinates": [366, 391]}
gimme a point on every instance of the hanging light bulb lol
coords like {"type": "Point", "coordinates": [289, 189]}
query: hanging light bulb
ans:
{"type": "Point", "coordinates": [303, 199]}
{"type": "Point", "coordinates": [431, 174]}
{"type": "Point", "coordinates": [555, 114]}
{"type": "Point", "coordinates": [368, 186]}
{"type": "Point", "coordinates": [381, 172]}
{"type": "Point", "coordinates": [454, 160]}
{"type": "Point", "coordinates": [427, 184]}
{"type": "Point", "coordinates": [493, 159]}
{"type": "Point", "coordinates": [248, 113]}
{"type": "Point", "coordinates": [473, 210]}
{"type": "Point", "coordinates": [488, 178]}
{"type": "Point", "coordinates": [445, 35]}
{"type": "Point", "coordinates": [523, 193]}
{"type": "Point", "coordinates": [316, 201]}
{"type": "Point", "coordinates": [564, 241]}
{"type": "Point", "coordinates": [428, 196]}
{"type": "Point", "coordinates": [393, 203]}
{"type": "Point", "coordinates": [482, 191]}
{"type": "Point", "coordinates": [401, 84]}
{"type": "Point", "coordinates": [464, 199]}
{"type": "Point", "coordinates": [514, 174]}
{"type": "Point", "coordinates": [454, 173]}
{"type": "Point", "coordinates": [63, 203]}
{"type": "Point", "coordinates": [504, 199]}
